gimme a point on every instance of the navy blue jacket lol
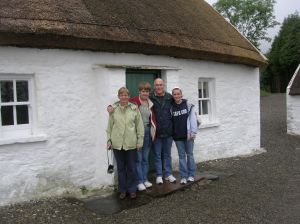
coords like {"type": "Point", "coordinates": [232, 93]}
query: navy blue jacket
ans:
{"type": "Point", "coordinates": [180, 113]}
{"type": "Point", "coordinates": [162, 108]}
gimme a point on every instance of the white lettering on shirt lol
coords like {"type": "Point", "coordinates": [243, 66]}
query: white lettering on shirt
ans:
{"type": "Point", "coordinates": [180, 112]}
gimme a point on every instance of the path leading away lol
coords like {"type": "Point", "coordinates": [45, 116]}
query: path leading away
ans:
{"type": "Point", "coordinates": [260, 189]}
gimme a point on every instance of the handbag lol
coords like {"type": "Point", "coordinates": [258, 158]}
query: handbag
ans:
{"type": "Point", "coordinates": [110, 166]}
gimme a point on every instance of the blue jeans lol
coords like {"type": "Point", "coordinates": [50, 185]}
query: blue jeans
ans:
{"type": "Point", "coordinates": [163, 146]}
{"type": "Point", "coordinates": [187, 166]}
{"type": "Point", "coordinates": [126, 161]}
{"type": "Point", "coordinates": [142, 164]}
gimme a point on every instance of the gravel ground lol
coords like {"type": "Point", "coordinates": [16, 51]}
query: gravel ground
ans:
{"type": "Point", "coordinates": [263, 189]}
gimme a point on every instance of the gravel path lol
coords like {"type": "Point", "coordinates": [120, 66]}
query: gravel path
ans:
{"type": "Point", "coordinates": [263, 189]}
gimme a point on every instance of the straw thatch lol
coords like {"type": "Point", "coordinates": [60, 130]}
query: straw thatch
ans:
{"type": "Point", "coordinates": [295, 83]}
{"type": "Point", "coordinates": [179, 28]}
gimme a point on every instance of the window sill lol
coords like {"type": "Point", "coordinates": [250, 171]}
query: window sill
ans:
{"type": "Point", "coordinates": [24, 139]}
{"type": "Point", "coordinates": [209, 125]}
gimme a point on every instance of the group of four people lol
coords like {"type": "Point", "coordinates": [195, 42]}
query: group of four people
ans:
{"type": "Point", "coordinates": [137, 123]}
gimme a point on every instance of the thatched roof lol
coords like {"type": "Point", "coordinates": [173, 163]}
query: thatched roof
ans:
{"type": "Point", "coordinates": [294, 84]}
{"type": "Point", "coordinates": [179, 28]}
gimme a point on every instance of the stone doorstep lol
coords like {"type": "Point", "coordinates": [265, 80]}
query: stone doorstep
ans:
{"type": "Point", "coordinates": [112, 204]}
{"type": "Point", "coordinates": [168, 188]}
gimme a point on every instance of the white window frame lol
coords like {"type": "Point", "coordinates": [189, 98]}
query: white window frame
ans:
{"type": "Point", "coordinates": [210, 119]}
{"type": "Point", "coordinates": [13, 131]}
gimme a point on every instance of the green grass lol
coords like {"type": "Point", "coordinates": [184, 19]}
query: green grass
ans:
{"type": "Point", "coordinates": [264, 93]}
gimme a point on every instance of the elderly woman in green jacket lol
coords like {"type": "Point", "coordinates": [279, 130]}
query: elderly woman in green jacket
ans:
{"type": "Point", "coordinates": [125, 135]}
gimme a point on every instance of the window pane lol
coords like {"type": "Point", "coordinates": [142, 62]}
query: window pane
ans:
{"type": "Point", "coordinates": [205, 106]}
{"type": "Point", "coordinates": [7, 115]}
{"type": "Point", "coordinates": [205, 90]}
{"type": "Point", "coordinates": [200, 93]}
{"type": "Point", "coordinates": [7, 93]}
{"type": "Point", "coordinates": [199, 106]}
{"type": "Point", "coordinates": [22, 91]}
{"type": "Point", "coordinates": [22, 114]}
{"type": "Point", "coordinates": [200, 89]}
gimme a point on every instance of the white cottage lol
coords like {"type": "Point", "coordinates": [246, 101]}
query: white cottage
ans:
{"type": "Point", "coordinates": [293, 104]}
{"type": "Point", "coordinates": [62, 62]}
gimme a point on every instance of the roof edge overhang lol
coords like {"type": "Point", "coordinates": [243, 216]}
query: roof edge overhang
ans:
{"type": "Point", "coordinates": [229, 54]}
{"type": "Point", "coordinates": [293, 87]}
{"type": "Point", "coordinates": [66, 35]}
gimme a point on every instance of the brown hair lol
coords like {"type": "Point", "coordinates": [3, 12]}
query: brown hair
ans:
{"type": "Point", "coordinates": [123, 90]}
{"type": "Point", "coordinates": [145, 86]}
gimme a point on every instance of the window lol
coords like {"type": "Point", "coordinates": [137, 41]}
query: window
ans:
{"type": "Point", "coordinates": [16, 104]}
{"type": "Point", "coordinates": [206, 100]}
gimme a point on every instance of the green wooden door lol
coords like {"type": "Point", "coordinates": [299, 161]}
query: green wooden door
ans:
{"type": "Point", "coordinates": [133, 78]}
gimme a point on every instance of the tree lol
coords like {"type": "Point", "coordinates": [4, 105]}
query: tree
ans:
{"type": "Point", "coordinates": [284, 56]}
{"type": "Point", "coordinates": [251, 17]}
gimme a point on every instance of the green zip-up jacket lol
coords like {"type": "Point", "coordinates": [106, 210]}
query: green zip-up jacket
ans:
{"type": "Point", "coordinates": [125, 127]}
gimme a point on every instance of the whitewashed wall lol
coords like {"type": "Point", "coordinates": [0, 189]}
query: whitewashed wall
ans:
{"type": "Point", "coordinates": [72, 89]}
{"type": "Point", "coordinates": [293, 114]}
{"type": "Point", "coordinates": [293, 108]}
{"type": "Point", "coordinates": [237, 130]}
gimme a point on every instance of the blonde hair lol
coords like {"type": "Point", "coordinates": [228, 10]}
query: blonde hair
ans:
{"type": "Point", "coordinates": [176, 88]}
{"type": "Point", "coordinates": [123, 90]}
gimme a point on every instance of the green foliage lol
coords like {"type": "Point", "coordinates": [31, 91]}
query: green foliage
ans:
{"type": "Point", "coordinates": [284, 56]}
{"type": "Point", "coordinates": [265, 79]}
{"type": "Point", "coordinates": [251, 17]}
{"type": "Point", "coordinates": [264, 93]}
{"type": "Point", "coordinates": [84, 190]}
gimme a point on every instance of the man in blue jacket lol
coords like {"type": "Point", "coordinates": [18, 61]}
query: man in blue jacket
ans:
{"type": "Point", "coordinates": [163, 142]}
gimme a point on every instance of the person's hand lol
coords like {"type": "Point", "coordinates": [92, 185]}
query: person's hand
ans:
{"type": "Point", "coordinates": [191, 137]}
{"type": "Point", "coordinates": [110, 109]}
{"type": "Point", "coordinates": [109, 145]}
{"type": "Point", "coordinates": [138, 147]}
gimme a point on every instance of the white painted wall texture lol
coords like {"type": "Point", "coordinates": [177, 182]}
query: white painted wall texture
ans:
{"type": "Point", "coordinates": [72, 89]}
{"type": "Point", "coordinates": [293, 114]}
{"type": "Point", "coordinates": [293, 108]}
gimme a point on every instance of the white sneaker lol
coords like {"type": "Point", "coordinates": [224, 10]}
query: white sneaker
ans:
{"type": "Point", "coordinates": [183, 181]}
{"type": "Point", "coordinates": [191, 179]}
{"type": "Point", "coordinates": [159, 180]}
{"type": "Point", "coordinates": [141, 187]}
{"type": "Point", "coordinates": [147, 184]}
{"type": "Point", "coordinates": [171, 178]}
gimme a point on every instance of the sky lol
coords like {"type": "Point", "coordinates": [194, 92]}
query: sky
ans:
{"type": "Point", "coordinates": [282, 9]}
